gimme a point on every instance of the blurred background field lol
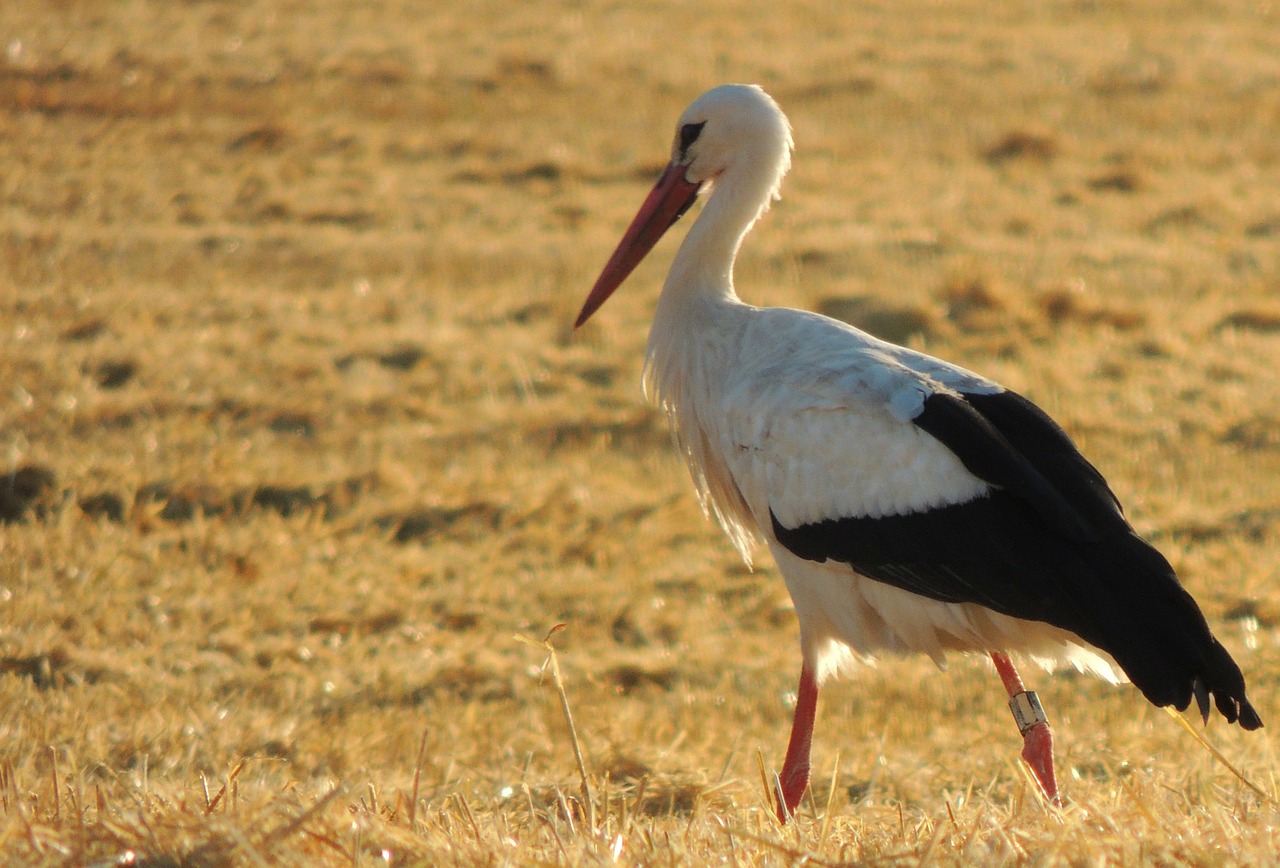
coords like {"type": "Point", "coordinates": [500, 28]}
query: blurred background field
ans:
{"type": "Point", "coordinates": [298, 440]}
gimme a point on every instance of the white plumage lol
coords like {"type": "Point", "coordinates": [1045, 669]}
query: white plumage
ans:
{"type": "Point", "coordinates": [911, 505]}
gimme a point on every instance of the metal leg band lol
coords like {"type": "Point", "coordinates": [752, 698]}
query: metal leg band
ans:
{"type": "Point", "coordinates": [1027, 711]}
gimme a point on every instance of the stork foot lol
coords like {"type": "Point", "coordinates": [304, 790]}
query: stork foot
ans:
{"type": "Point", "coordinates": [794, 779]}
{"type": "Point", "coordinates": [1037, 739]}
{"type": "Point", "coordinates": [792, 783]}
{"type": "Point", "coordinates": [1037, 750]}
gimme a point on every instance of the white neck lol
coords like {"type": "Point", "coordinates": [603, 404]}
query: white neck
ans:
{"type": "Point", "coordinates": [702, 271]}
{"type": "Point", "coordinates": [704, 263]}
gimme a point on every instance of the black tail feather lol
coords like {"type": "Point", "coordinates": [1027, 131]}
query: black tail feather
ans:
{"type": "Point", "coordinates": [1202, 699]}
{"type": "Point", "coordinates": [1162, 639]}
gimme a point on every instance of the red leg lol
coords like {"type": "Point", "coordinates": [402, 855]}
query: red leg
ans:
{"type": "Point", "coordinates": [795, 768]}
{"type": "Point", "coordinates": [1037, 740]}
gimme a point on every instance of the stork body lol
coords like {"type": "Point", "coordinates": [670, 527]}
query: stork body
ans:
{"type": "Point", "coordinates": [910, 505]}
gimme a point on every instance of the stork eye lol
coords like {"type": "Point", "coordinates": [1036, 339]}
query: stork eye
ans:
{"type": "Point", "coordinates": [689, 134]}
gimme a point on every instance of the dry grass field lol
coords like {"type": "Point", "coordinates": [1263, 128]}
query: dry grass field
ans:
{"type": "Point", "coordinates": [298, 444]}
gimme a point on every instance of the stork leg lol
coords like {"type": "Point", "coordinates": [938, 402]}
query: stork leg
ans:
{"type": "Point", "coordinates": [794, 779]}
{"type": "Point", "coordinates": [1037, 740]}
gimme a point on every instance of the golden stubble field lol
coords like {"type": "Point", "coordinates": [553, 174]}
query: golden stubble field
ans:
{"type": "Point", "coordinates": [298, 440]}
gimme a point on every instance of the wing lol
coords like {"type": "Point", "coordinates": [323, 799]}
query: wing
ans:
{"type": "Point", "coordinates": [823, 427]}
{"type": "Point", "coordinates": [963, 492]}
{"type": "Point", "coordinates": [996, 528]}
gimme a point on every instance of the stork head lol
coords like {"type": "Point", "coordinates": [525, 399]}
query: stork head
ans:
{"type": "Point", "coordinates": [734, 127]}
{"type": "Point", "coordinates": [735, 131]}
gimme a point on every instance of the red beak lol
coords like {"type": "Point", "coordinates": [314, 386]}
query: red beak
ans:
{"type": "Point", "coordinates": [668, 200]}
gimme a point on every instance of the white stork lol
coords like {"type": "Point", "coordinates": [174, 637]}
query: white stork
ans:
{"type": "Point", "coordinates": [911, 505]}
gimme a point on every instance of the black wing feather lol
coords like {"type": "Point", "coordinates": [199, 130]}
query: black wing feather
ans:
{"type": "Point", "coordinates": [1048, 542]}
